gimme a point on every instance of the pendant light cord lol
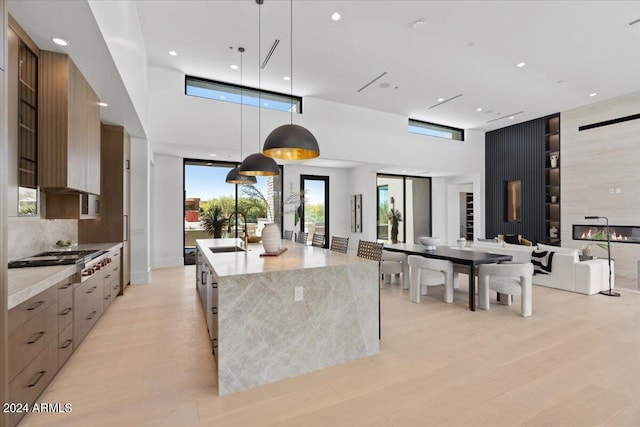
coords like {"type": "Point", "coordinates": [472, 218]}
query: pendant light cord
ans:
{"type": "Point", "coordinates": [291, 62]}
{"type": "Point", "coordinates": [259, 75]}
{"type": "Point", "coordinates": [241, 49]}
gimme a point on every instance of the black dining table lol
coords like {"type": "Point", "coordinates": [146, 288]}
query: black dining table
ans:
{"type": "Point", "coordinates": [457, 256]}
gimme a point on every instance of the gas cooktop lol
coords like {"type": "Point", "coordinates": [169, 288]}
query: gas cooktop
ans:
{"type": "Point", "coordinates": [45, 259]}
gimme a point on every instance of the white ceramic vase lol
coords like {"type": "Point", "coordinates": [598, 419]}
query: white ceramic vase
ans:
{"type": "Point", "coordinates": [271, 238]}
{"type": "Point", "coordinates": [462, 242]}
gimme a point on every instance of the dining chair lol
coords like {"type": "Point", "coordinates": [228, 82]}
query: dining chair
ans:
{"type": "Point", "coordinates": [506, 279]}
{"type": "Point", "coordinates": [394, 263]}
{"type": "Point", "coordinates": [302, 237]}
{"type": "Point", "coordinates": [430, 272]}
{"type": "Point", "coordinates": [370, 250]}
{"type": "Point", "coordinates": [317, 240]}
{"type": "Point", "coordinates": [339, 244]}
{"type": "Point", "coordinates": [288, 234]}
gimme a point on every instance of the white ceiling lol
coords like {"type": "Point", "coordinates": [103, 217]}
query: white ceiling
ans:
{"type": "Point", "coordinates": [571, 48]}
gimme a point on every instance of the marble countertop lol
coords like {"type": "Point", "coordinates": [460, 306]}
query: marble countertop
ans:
{"type": "Point", "coordinates": [27, 282]}
{"type": "Point", "coordinates": [296, 257]}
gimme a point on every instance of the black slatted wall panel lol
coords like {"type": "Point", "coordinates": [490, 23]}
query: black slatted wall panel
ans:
{"type": "Point", "coordinates": [516, 153]}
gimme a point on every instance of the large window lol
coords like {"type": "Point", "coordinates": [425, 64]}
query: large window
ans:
{"type": "Point", "coordinates": [404, 208]}
{"type": "Point", "coordinates": [215, 209]}
{"type": "Point", "coordinates": [220, 91]}
{"type": "Point", "coordinates": [433, 129]}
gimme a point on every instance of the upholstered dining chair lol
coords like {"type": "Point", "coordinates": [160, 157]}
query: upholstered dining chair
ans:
{"type": "Point", "coordinates": [288, 234]}
{"type": "Point", "coordinates": [370, 250]}
{"type": "Point", "coordinates": [394, 263]}
{"type": "Point", "coordinates": [509, 279]}
{"type": "Point", "coordinates": [302, 237]}
{"type": "Point", "coordinates": [430, 272]}
{"type": "Point", "coordinates": [339, 244]}
{"type": "Point", "coordinates": [317, 240]}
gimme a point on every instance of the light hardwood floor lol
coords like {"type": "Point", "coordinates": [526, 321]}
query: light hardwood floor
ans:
{"type": "Point", "coordinates": [576, 361]}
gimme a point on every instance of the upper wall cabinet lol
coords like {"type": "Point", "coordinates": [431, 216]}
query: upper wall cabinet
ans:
{"type": "Point", "coordinates": [69, 128]}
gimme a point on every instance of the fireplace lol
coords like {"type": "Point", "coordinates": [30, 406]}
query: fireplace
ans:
{"type": "Point", "coordinates": [619, 233]}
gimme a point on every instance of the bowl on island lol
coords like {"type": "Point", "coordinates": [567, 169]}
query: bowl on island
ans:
{"type": "Point", "coordinates": [429, 242]}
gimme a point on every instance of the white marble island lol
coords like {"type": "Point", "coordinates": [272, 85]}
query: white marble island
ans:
{"type": "Point", "coordinates": [262, 334]}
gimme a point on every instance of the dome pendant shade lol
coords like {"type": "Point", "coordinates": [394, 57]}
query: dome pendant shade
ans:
{"type": "Point", "coordinates": [257, 164]}
{"type": "Point", "coordinates": [291, 142]}
{"type": "Point", "coordinates": [234, 177]}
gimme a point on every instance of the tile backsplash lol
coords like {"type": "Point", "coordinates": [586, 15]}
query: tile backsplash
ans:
{"type": "Point", "coordinates": [28, 236]}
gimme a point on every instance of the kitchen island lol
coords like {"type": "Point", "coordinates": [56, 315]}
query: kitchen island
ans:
{"type": "Point", "coordinates": [276, 317]}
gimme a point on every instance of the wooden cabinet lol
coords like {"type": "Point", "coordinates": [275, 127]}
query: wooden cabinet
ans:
{"type": "Point", "coordinates": [552, 180]}
{"type": "Point", "coordinates": [69, 127]}
{"type": "Point", "coordinates": [89, 305]}
{"type": "Point", "coordinates": [39, 342]}
{"type": "Point", "coordinates": [115, 199]}
{"type": "Point", "coordinates": [207, 288]}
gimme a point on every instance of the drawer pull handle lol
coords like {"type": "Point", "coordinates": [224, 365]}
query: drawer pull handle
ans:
{"type": "Point", "coordinates": [37, 380]}
{"type": "Point", "coordinates": [93, 313]}
{"type": "Point", "coordinates": [214, 285]}
{"type": "Point", "coordinates": [107, 276]}
{"type": "Point", "coordinates": [116, 269]}
{"type": "Point", "coordinates": [92, 289]}
{"type": "Point", "coordinates": [66, 344]}
{"type": "Point", "coordinates": [36, 337]}
{"type": "Point", "coordinates": [66, 285]}
{"type": "Point", "coordinates": [66, 311]}
{"type": "Point", "coordinates": [214, 310]}
{"type": "Point", "coordinates": [107, 297]}
{"type": "Point", "coordinates": [35, 305]}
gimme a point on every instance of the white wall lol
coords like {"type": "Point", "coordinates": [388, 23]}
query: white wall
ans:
{"type": "Point", "coordinates": [140, 211]}
{"type": "Point", "coordinates": [595, 161]}
{"type": "Point", "coordinates": [167, 212]}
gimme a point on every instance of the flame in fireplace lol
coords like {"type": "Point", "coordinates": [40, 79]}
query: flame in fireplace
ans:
{"type": "Point", "coordinates": [589, 235]}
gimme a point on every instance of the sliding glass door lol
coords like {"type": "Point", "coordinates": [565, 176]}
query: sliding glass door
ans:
{"type": "Point", "coordinates": [215, 209]}
{"type": "Point", "coordinates": [404, 208]}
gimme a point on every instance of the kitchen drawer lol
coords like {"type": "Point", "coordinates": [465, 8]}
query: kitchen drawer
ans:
{"type": "Point", "coordinates": [86, 316]}
{"type": "Point", "coordinates": [22, 313]}
{"type": "Point", "coordinates": [27, 386]}
{"type": "Point", "coordinates": [65, 310]}
{"type": "Point", "coordinates": [107, 298]}
{"type": "Point", "coordinates": [115, 287]}
{"type": "Point", "coordinates": [26, 341]}
{"type": "Point", "coordinates": [65, 287]}
{"type": "Point", "coordinates": [65, 345]}
{"type": "Point", "coordinates": [89, 290]}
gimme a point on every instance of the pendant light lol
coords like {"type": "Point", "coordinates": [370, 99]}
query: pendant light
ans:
{"type": "Point", "coordinates": [291, 142]}
{"type": "Point", "coordinates": [257, 164]}
{"type": "Point", "coordinates": [234, 177]}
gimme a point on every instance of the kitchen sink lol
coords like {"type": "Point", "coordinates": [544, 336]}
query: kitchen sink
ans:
{"type": "Point", "coordinates": [226, 249]}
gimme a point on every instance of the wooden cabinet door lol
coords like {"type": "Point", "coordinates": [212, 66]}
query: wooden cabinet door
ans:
{"type": "Point", "coordinates": [77, 152]}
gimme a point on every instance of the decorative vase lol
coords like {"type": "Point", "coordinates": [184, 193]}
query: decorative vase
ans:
{"type": "Point", "coordinates": [554, 199]}
{"type": "Point", "coordinates": [271, 238]}
{"type": "Point", "coordinates": [554, 161]}
{"type": "Point", "coordinates": [462, 242]}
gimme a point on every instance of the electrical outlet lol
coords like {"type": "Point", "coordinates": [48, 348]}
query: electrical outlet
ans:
{"type": "Point", "coordinates": [298, 294]}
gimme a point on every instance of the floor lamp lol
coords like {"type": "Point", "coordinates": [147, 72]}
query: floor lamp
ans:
{"type": "Point", "coordinates": [608, 293]}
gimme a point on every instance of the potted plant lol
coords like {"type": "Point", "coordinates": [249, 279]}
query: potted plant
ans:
{"type": "Point", "coordinates": [213, 221]}
{"type": "Point", "coordinates": [394, 216]}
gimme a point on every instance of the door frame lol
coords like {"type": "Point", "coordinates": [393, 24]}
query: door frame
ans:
{"type": "Point", "coordinates": [327, 215]}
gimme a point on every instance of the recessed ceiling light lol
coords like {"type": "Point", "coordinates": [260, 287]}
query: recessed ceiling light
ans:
{"type": "Point", "coordinates": [478, 109]}
{"type": "Point", "coordinates": [593, 94]}
{"type": "Point", "coordinates": [103, 104]}
{"type": "Point", "coordinates": [213, 155]}
{"type": "Point", "coordinates": [511, 117]}
{"type": "Point", "coordinates": [521, 64]}
{"type": "Point", "coordinates": [287, 78]}
{"type": "Point", "coordinates": [440, 99]}
{"type": "Point", "coordinates": [418, 24]}
{"type": "Point", "coordinates": [234, 67]}
{"type": "Point", "coordinates": [173, 53]}
{"type": "Point", "coordinates": [59, 41]}
{"type": "Point", "coordinates": [336, 16]}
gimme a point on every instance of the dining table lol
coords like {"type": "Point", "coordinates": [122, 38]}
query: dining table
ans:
{"type": "Point", "coordinates": [466, 257]}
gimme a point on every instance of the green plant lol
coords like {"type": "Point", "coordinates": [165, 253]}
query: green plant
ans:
{"type": "Point", "coordinates": [394, 216]}
{"type": "Point", "coordinates": [213, 221]}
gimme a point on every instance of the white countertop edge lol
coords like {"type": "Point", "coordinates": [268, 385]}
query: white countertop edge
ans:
{"type": "Point", "coordinates": [26, 282]}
